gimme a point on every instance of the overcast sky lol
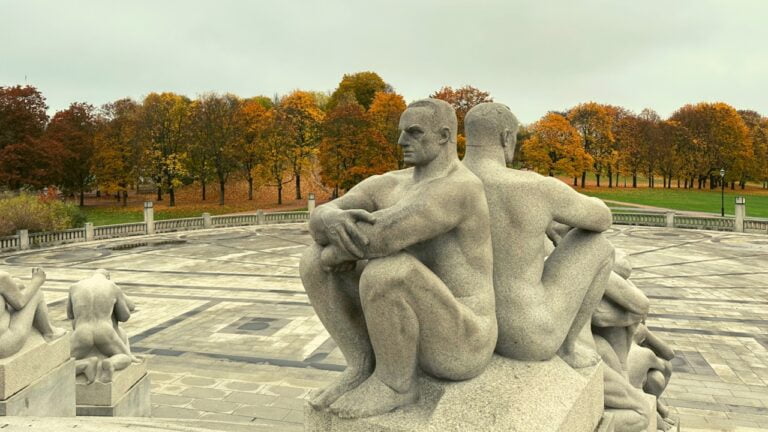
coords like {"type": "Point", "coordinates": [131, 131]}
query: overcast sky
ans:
{"type": "Point", "coordinates": [535, 56]}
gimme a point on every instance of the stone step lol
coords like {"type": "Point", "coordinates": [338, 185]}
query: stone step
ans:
{"type": "Point", "coordinates": [135, 424]}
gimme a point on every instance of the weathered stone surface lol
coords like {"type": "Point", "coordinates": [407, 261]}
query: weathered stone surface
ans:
{"type": "Point", "coordinates": [134, 403]}
{"type": "Point", "coordinates": [509, 396]}
{"type": "Point", "coordinates": [35, 359]}
{"type": "Point", "coordinates": [52, 395]}
{"type": "Point", "coordinates": [107, 394]}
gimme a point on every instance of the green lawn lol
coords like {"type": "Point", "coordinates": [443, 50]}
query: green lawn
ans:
{"type": "Point", "coordinates": [118, 215]}
{"type": "Point", "coordinates": [681, 199]}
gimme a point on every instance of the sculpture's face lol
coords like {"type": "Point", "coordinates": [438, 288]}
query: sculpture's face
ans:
{"type": "Point", "coordinates": [420, 138]}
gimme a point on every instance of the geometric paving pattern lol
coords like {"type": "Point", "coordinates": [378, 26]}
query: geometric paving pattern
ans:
{"type": "Point", "coordinates": [234, 338]}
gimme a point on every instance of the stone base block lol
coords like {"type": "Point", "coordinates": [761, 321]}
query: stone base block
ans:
{"type": "Point", "coordinates": [136, 402]}
{"type": "Point", "coordinates": [35, 359]}
{"type": "Point", "coordinates": [52, 395]}
{"type": "Point", "coordinates": [509, 396]}
{"type": "Point", "coordinates": [107, 394]}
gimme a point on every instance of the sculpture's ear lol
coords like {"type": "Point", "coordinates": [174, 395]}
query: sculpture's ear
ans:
{"type": "Point", "coordinates": [445, 135]}
{"type": "Point", "coordinates": [507, 138]}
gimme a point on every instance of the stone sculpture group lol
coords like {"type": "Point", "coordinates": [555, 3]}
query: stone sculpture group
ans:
{"type": "Point", "coordinates": [46, 373]}
{"type": "Point", "coordinates": [428, 270]}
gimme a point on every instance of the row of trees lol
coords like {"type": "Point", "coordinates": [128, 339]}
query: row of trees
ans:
{"type": "Point", "coordinates": [172, 140]}
{"type": "Point", "coordinates": [167, 140]}
{"type": "Point", "coordinates": [691, 146]}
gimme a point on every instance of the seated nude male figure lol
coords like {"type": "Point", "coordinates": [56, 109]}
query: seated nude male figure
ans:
{"type": "Point", "coordinates": [23, 308]}
{"type": "Point", "coordinates": [99, 345]}
{"type": "Point", "coordinates": [401, 272]}
{"type": "Point", "coordinates": [542, 305]}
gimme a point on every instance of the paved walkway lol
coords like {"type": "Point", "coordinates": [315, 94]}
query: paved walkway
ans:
{"type": "Point", "coordinates": [234, 341]}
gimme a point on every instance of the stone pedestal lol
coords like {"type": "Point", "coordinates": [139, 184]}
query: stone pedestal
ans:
{"type": "Point", "coordinates": [509, 396]}
{"type": "Point", "coordinates": [39, 380]}
{"type": "Point", "coordinates": [128, 395]}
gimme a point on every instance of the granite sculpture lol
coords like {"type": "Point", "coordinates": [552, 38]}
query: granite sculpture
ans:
{"type": "Point", "coordinates": [22, 311]}
{"type": "Point", "coordinates": [36, 372]}
{"type": "Point", "coordinates": [111, 381]}
{"type": "Point", "coordinates": [534, 276]}
{"type": "Point", "coordinates": [542, 305]}
{"type": "Point", "coordinates": [400, 272]}
{"type": "Point", "coordinates": [96, 305]}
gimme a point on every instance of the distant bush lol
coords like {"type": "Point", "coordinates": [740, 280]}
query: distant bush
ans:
{"type": "Point", "coordinates": [34, 213]}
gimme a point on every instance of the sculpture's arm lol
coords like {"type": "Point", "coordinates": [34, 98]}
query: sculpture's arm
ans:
{"type": "Point", "coordinates": [14, 292]}
{"type": "Point", "coordinates": [439, 208]}
{"type": "Point", "coordinates": [70, 310]}
{"type": "Point", "coordinates": [574, 209]}
{"type": "Point", "coordinates": [360, 197]}
{"type": "Point", "coordinates": [122, 308]}
{"type": "Point", "coordinates": [624, 293]}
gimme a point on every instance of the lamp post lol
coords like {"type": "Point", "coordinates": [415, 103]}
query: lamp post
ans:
{"type": "Point", "coordinates": [722, 192]}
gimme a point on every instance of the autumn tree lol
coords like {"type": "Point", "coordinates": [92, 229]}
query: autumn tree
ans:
{"type": "Point", "coordinates": [164, 130]}
{"type": "Point", "coordinates": [257, 121]}
{"type": "Point", "coordinates": [25, 158]}
{"type": "Point", "coordinates": [117, 150]}
{"type": "Point", "coordinates": [758, 133]}
{"type": "Point", "coordinates": [274, 152]}
{"type": "Point", "coordinates": [555, 147]}
{"type": "Point", "coordinates": [362, 86]}
{"type": "Point", "coordinates": [75, 129]}
{"type": "Point", "coordinates": [721, 136]}
{"type": "Point", "coordinates": [384, 114]}
{"type": "Point", "coordinates": [593, 121]}
{"type": "Point", "coordinates": [352, 148]}
{"type": "Point", "coordinates": [217, 127]}
{"type": "Point", "coordinates": [300, 119]}
{"type": "Point", "coordinates": [462, 100]}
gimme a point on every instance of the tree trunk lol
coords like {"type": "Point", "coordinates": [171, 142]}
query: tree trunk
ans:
{"type": "Point", "coordinates": [597, 177]}
{"type": "Point", "coordinates": [159, 193]}
{"type": "Point", "coordinates": [202, 183]}
{"type": "Point", "coordinates": [221, 192]}
{"type": "Point", "coordinates": [634, 180]}
{"type": "Point", "coordinates": [583, 178]}
{"type": "Point", "coordinates": [298, 184]}
{"type": "Point", "coordinates": [82, 198]}
{"type": "Point", "coordinates": [575, 181]}
{"type": "Point", "coordinates": [125, 198]}
{"type": "Point", "coordinates": [733, 185]}
{"type": "Point", "coordinates": [171, 197]}
{"type": "Point", "coordinates": [250, 188]}
{"type": "Point", "coordinates": [98, 193]}
{"type": "Point", "coordinates": [279, 193]}
{"type": "Point", "coordinates": [610, 178]}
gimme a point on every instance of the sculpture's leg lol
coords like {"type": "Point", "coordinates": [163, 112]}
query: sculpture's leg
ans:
{"type": "Point", "coordinates": [88, 367]}
{"type": "Point", "coordinates": [413, 318]}
{"type": "Point", "coordinates": [42, 321]}
{"type": "Point", "coordinates": [112, 364]}
{"type": "Point", "coordinates": [625, 402]}
{"type": "Point", "coordinates": [20, 327]}
{"type": "Point", "coordinates": [336, 300]}
{"type": "Point", "coordinates": [574, 279]}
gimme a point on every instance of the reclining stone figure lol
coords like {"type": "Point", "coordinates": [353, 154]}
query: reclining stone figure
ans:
{"type": "Point", "coordinates": [22, 311]}
{"type": "Point", "coordinates": [401, 272]}
{"type": "Point", "coordinates": [542, 305]}
{"type": "Point", "coordinates": [96, 305]}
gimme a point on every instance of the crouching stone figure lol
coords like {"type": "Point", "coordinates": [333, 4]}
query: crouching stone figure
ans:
{"type": "Point", "coordinates": [99, 345]}
{"type": "Point", "coordinates": [22, 311]}
{"type": "Point", "coordinates": [400, 273]}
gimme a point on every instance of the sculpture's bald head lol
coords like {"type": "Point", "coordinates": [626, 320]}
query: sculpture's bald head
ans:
{"type": "Point", "coordinates": [428, 128]}
{"type": "Point", "coordinates": [492, 124]}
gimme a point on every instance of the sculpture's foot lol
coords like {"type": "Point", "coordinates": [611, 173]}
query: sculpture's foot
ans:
{"type": "Point", "coordinates": [579, 356]}
{"type": "Point", "coordinates": [90, 369]}
{"type": "Point", "coordinates": [38, 276]}
{"type": "Point", "coordinates": [55, 333]}
{"type": "Point", "coordinates": [371, 398]}
{"type": "Point", "coordinates": [107, 371]}
{"type": "Point", "coordinates": [664, 423]}
{"type": "Point", "coordinates": [350, 379]}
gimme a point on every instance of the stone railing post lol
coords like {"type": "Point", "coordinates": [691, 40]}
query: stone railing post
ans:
{"type": "Point", "coordinates": [23, 239]}
{"type": "Point", "coordinates": [670, 219]}
{"type": "Point", "coordinates": [259, 217]}
{"type": "Point", "coordinates": [311, 203]}
{"type": "Point", "coordinates": [89, 231]}
{"type": "Point", "coordinates": [207, 222]}
{"type": "Point", "coordinates": [741, 214]}
{"type": "Point", "coordinates": [149, 216]}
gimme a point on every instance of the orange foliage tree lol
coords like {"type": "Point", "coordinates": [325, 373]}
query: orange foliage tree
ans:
{"type": "Point", "coordinates": [384, 114]}
{"type": "Point", "coordinates": [75, 129]}
{"type": "Point", "coordinates": [117, 151]}
{"type": "Point", "coordinates": [300, 119]}
{"type": "Point", "coordinates": [593, 121]}
{"type": "Point", "coordinates": [555, 147]}
{"type": "Point", "coordinates": [462, 100]}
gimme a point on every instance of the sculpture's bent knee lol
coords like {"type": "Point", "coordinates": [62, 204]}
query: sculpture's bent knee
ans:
{"type": "Point", "coordinates": [387, 275]}
{"type": "Point", "coordinates": [310, 267]}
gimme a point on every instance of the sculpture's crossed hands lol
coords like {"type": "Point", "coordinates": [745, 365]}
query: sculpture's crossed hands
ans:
{"type": "Point", "coordinates": [342, 231]}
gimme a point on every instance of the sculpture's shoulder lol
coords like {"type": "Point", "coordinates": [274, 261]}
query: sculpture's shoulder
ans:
{"type": "Point", "coordinates": [383, 182]}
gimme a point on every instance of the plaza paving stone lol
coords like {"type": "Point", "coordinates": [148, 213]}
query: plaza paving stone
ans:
{"type": "Point", "coordinates": [233, 339]}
